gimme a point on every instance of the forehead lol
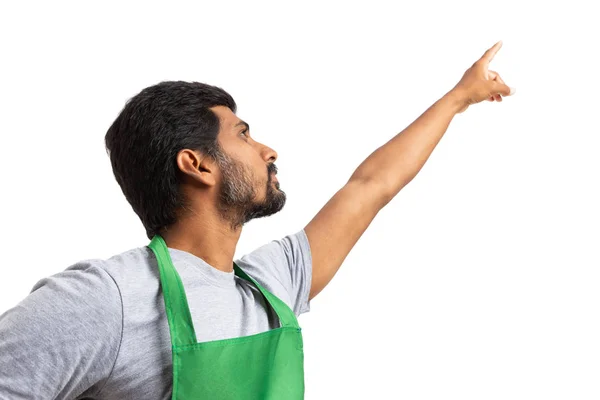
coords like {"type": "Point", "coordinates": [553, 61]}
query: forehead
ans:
{"type": "Point", "coordinates": [228, 120]}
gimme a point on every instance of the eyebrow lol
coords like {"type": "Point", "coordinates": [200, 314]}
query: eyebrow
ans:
{"type": "Point", "coordinates": [242, 123]}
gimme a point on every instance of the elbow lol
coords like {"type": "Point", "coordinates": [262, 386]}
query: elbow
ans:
{"type": "Point", "coordinates": [379, 191]}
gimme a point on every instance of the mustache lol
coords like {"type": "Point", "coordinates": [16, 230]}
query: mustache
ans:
{"type": "Point", "coordinates": [272, 168]}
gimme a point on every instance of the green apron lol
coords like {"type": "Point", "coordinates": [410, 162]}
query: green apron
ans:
{"type": "Point", "coordinates": [267, 365]}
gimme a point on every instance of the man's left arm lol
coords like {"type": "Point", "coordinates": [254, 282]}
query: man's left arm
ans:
{"type": "Point", "coordinates": [336, 228]}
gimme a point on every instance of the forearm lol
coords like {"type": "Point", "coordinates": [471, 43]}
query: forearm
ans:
{"type": "Point", "coordinates": [393, 165]}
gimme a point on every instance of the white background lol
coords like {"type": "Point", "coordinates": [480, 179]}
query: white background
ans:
{"type": "Point", "coordinates": [480, 280]}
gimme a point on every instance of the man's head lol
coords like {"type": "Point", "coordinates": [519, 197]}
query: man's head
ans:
{"type": "Point", "coordinates": [176, 140]}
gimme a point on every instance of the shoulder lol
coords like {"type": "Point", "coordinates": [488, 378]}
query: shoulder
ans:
{"type": "Point", "coordinates": [290, 250]}
{"type": "Point", "coordinates": [284, 267]}
{"type": "Point", "coordinates": [83, 298]}
{"type": "Point", "coordinates": [88, 282]}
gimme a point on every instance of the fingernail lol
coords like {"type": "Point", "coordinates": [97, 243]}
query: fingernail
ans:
{"type": "Point", "coordinates": [512, 91]}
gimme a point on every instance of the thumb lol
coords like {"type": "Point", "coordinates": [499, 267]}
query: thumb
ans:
{"type": "Point", "coordinates": [504, 90]}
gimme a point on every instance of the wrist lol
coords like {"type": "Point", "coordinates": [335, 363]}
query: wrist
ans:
{"type": "Point", "coordinates": [456, 99]}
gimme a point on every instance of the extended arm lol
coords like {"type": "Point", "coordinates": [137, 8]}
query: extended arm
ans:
{"type": "Point", "coordinates": [341, 222]}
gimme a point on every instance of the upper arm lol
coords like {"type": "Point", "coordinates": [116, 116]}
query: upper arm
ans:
{"type": "Point", "coordinates": [63, 338]}
{"type": "Point", "coordinates": [337, 227]}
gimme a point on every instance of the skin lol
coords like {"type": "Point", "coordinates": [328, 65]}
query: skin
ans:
{"type": "Point", "coordinates": [229, 192]}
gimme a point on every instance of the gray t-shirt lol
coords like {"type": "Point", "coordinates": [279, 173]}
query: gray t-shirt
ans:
{"type": "Point", "coordinates": [98, 330]}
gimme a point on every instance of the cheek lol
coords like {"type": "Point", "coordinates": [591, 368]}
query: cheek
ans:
{"type": "Point", "coordinates": [244, 154]}
{"type": "Point", "coordinates": [254, 162]}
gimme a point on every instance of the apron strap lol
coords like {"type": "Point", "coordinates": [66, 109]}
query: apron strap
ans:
{"type": "Point", "coordinates": [284, 313]}
{"type": "Point", "coordinates": [176, 305]}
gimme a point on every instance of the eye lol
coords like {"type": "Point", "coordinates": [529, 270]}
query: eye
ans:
{"type": "Point", "coordinates": [245, 133]}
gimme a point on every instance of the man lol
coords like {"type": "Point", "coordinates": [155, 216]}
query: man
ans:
{"type": "Point", "coordinates": [179, 318]}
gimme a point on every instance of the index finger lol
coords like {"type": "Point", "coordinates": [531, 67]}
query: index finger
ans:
{"type": "Point", "coordinates": [491, 52]}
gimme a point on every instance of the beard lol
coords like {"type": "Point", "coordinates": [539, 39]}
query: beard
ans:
{"type": "Point", "coordinates": [238, 192]}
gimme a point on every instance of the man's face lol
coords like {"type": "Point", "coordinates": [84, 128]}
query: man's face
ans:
{"type": "Point", "coordinates": [248, 187]}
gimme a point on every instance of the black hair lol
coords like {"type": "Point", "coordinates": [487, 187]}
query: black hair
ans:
{"type": "Point", "coordinates": [144, 140]}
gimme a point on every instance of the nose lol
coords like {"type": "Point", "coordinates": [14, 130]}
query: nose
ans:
{"type": "Point", "coordinates": [268, 154]}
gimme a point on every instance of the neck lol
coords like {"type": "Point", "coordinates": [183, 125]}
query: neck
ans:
{"type": "Point", "coordinates": [206, 235]}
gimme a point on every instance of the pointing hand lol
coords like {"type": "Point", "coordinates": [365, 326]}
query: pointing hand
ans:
{"type": "Point", "coordinates": [479, 83]}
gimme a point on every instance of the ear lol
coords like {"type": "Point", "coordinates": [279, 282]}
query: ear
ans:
{"type": "Point", "coordinates": [197, 166]}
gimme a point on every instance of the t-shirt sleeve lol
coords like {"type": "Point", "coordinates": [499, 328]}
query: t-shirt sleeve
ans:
{"type": "Point", "coordinates": [283, 267]}
{"type": "Point", "coordinates": [62, 340]}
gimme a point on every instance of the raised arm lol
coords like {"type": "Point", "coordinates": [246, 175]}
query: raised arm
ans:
{"type": "Point", "coordinates": [341, 222]}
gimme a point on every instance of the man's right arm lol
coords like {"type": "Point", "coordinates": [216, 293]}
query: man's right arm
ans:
{"type": "Point", "coordinates": [63, 338]}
